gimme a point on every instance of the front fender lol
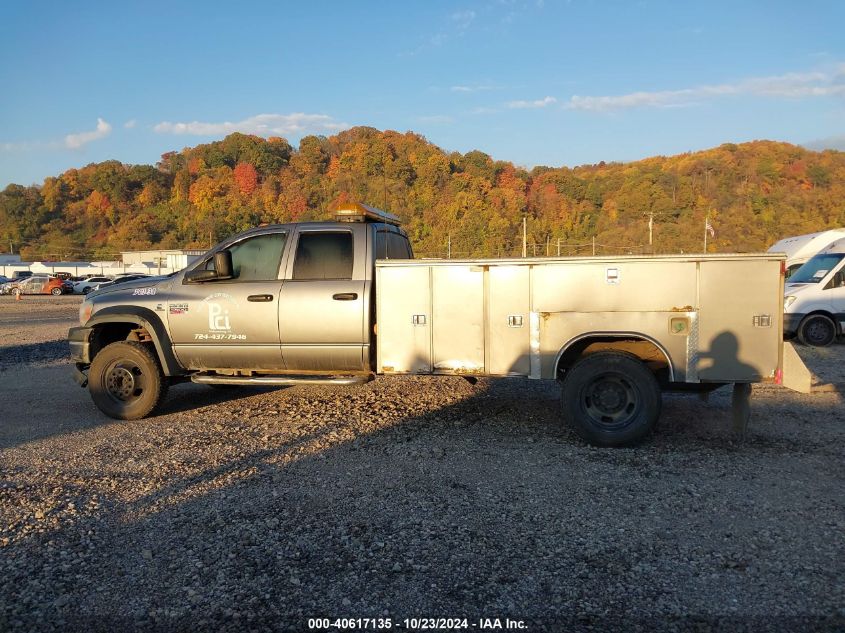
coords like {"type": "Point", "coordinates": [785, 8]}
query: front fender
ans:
{"type": "Point", "coordinates": [150, 321]}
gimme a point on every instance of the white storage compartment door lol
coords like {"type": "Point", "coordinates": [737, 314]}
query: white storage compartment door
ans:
{"type": "Point", "coordinates": [458, 319]}
{"type": "Point", "coordinates": [508, 321]}
{"type": "Point", "coordinates": [740, 332]}
{"type": "Point", "coordinates": [403, 319]}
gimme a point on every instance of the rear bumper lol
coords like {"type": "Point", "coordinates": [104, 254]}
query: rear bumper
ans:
{"type": "Point", "coordinates": [791, 323]}
{"type": "Point", "coordinates": [79, 339]}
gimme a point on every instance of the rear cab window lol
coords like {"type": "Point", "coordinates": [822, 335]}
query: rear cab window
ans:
{"type": "Point", "coordinates": [391, 244]}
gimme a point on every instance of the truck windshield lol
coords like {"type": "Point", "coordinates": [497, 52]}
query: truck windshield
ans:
{"type": "Point", "coordinates": [816, 269]}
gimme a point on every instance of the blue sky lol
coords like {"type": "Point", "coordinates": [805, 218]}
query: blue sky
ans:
{"type": "Point", "coordinates": [535, 82]}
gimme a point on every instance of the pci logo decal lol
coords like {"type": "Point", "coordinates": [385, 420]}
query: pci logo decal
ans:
{"type": "Point", "coordinates": [220, 304]}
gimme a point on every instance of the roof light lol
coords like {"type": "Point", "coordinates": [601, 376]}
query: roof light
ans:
{"type": "Point", "coordinates": [357, 212]}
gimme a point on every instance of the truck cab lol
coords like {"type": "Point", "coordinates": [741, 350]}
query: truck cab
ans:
{"type": "Point", "coordinates": [277, 300]}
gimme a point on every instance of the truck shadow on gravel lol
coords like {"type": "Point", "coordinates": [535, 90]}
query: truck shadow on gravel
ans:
{"type": "Point", "coordinates": [12, 356]}
{"type": "Point", "coordinates": [476, 503]}
{"type": "Point", "coordinates": [29, 411]}
{"type": "Point", "coordinates": [188, 397]}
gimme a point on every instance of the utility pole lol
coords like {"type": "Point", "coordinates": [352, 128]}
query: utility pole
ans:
{"type": "Point", "coordinates": [650, 228]}
{"type": "Point", "coordinates": [594, 245]}
{"type": "Point", "coordinates": [524, 235]}
{"type": "Point", "coordinates": [558, 247]}
{"type": "Point", "coordinates": [449, 247]}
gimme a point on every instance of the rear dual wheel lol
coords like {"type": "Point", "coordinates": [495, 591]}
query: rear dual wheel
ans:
{"type": "Point", "coordinates": [125, 381]}
{"type": "Point", "coordinates": [611, 399]}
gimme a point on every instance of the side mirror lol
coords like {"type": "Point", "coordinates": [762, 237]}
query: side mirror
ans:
{"type": "Point", "coordinates": [200, 275]}
{"type": "Point", "coordinates": [223, 264]}
{"type": "Point", "coordinates": [223, 269]}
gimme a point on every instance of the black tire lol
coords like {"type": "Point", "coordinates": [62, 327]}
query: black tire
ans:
{"type": "Point", "coordinates": [17, 292]}
{"type": "Point", "coordinates": [817, 330]}
{"type": "Point", "coordinates": [125, 381]}
{"type": "Point", "coordinates": [86, 290]}
{"type": "Point", "coordinates": [56, 292]}
{"type": "Point", "coordinates": [611, 399]}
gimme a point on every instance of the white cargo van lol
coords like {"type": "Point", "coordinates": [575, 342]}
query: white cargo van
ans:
{"type": "Point", "coordinates": [800, 248]}
{"type": "Point", "coordinates": [814, 301]}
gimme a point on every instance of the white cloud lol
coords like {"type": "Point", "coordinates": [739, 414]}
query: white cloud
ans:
{"type": "Point", "coordinates": [21, 146]}
{"type": "Point", "coordinates": [537, 103]}
{"type": "Point", "coordinates": [80, 139]}
{"type": "Point", "coordinates": [473, 88]}
{"type": "Point", "coordinates": [463, 18]}
{"type": "Point", "coordinates": [130, 124]}
{"type": "Point", "coordinates": [297, 123]}
{"type": "Point", "coordinates": [790, 85]}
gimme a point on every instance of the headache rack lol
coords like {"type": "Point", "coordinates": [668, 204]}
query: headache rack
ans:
{"type": "Point", "coordinates": [357, 212]}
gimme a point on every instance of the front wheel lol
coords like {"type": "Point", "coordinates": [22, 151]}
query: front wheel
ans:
{"type": "Point", "coordinates": [125, 381]}
{"type": "Point", "coordinates": [611, 399]}
{"type": "Point", "coordinates": [817, 330]}
{"type": "Point", "coordinates": [86, 290]}
{"type": "Point", "coordinates": [56, 292]}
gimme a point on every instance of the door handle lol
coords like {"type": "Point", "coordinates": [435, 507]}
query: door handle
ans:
{"type": "Point", "coordinates": [259, 298]}
{"type": "Point", "coordinates": [345, 296]}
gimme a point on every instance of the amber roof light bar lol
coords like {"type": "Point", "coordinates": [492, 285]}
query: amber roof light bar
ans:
{"type": "Point", "coordinates": [357, 212]}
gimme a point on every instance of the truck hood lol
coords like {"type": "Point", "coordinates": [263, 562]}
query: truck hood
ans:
{"type": "Point", "coordinates": [128, 286]}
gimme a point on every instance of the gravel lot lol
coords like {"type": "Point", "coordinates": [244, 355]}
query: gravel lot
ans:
{"type": "Point", "coordinates": [255, 509]}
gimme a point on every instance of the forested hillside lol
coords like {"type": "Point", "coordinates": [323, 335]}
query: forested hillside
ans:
{"type": "Point", "coordinates": [754, 193]}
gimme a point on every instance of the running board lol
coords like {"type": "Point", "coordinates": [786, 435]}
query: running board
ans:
{"type": "Point", "coordinates": [205, 379]}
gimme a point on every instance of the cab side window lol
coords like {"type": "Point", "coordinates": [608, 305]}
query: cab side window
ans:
{"type": "Point", "coordinates": [323, 255]}
{"type": "Point", "coordinates": [391, 245]}
{"type": "Point", "coordinates": [397, 247]}
{"type": "Point", "coordinates": [256, 258]}
{"type": "Point", "coordinates": [838, 280]}
{"type": "Point", "coordinates": [381, 244]}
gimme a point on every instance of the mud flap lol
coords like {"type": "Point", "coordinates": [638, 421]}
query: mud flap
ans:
{"type": "Point", "coordinates": [80, 378]}
{"type": "Point", "coordinates": [796, 376]}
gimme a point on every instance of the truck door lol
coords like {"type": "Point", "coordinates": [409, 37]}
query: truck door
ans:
{"type": "Point", "coordinates": [234, 323]}
{"type": "Point", "coordinates": [322, 304]}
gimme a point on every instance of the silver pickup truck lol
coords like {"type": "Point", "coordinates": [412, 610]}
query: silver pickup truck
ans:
{"type": "Point", "coordinates": [339, 302]}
